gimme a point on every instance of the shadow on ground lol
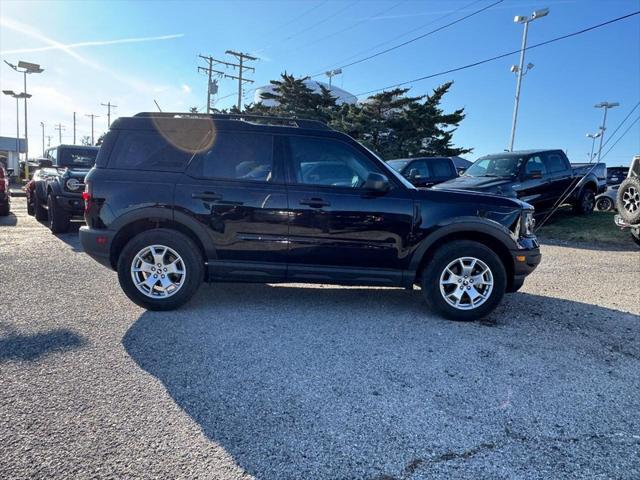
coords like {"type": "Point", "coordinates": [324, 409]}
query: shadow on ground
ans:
{"type": "Point", "coordinates": [15, 346]}
{"type": "Point", "coordinates": [9, 220]}
{"type": "Point", "coordinates": [365, 383]}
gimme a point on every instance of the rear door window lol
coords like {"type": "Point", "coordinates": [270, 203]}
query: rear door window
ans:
{"type": "Point", "coordinates": [147, 151]}
{"type": "Point", "coordinates": [554, 163]}
{"type": "Point", "coordinates": [236, 156]}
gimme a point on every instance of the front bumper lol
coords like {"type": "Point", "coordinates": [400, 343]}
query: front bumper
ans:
{"type": "Point", "coordinates": [73, 205]}
{"type": "Point", "coordinates": [525, 261]}
{"type": "Point", "coordinates": [97, 244]}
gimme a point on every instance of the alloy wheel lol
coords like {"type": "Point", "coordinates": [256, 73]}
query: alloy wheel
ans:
{"type": "Point", "coordinates": [631, 199]}
{"type": "Point", "coordinates": [466, 283]}
{"type": "Point", "coordinates": [158, 271]}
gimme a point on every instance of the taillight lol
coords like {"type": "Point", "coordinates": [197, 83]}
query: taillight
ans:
{"type": "Point", "coordinates": [86, 196]}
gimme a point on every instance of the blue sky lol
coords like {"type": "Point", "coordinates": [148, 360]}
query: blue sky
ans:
{"type": "Point", "coordinates": [158, 60]}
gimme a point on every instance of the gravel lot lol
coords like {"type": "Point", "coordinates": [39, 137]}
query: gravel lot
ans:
{"type": "Point", "coordinates": [292, 381]}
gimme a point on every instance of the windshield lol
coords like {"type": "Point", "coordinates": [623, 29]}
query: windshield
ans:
{"type": "Point", "coordinates": [495, 167]}
{"type": "Point", "coordinates": [77, 157]}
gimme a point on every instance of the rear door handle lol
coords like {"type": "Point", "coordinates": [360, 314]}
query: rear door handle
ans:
{"type": "Point", "coordinates": [315, 202]}
{"type": "Point", "coordinates": [207, 196]}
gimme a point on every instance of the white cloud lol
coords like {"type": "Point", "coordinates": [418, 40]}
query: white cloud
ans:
{"type": "Point", "coordinates": [185, 88]}
{"type": "Point", "coordinates": [92, 44]}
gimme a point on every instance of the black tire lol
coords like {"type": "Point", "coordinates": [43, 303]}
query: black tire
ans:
{"type": "Point", "coordinates": [628, 200]}
{"type": "Point", "coordinates": [39, 211]}
{"type": "Point", "coordinates": [183, 246]}
{"type": "Point", "coordinates": [442, 258]}
{"type": "Point", "coordinates": [586, 202]}
{"type": "Point", "coordinates": [635, 235]}
{"type": "Point", "coordinates": [4, 210]}
{"type": "Point", "coordinates": [58, 219]}
{"type": "Point", "coordinates": [30, 208]}
{"type": "Point", "coordinates": [604, 204]}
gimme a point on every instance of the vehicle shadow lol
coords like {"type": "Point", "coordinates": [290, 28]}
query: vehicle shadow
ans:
{"type": "Point", "coordinates": [31, 347]}
{"type": "Point", "coordinates": [9, 220]}
{"type": "Point", "coordinates": [71, 238]}
{"type": "Point", "coordinates": [365, 383]}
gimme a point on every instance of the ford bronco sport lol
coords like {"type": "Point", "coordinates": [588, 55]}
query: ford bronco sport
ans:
{"type": "Point", "coordinates": [178, 199]}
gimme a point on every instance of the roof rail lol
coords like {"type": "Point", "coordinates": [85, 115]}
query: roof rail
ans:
{"type": "Point", "coordinates": [242, 117]}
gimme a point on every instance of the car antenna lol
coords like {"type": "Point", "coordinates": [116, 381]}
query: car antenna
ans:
{"type": "Point", "coordinates": [159, 109]}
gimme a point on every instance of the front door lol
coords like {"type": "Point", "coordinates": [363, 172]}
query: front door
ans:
{"type": "Point", "coordinates": [236, 190]}
{"type": "Point", "coordinates": [535, 191]}
{"type": "Point", "coordinates": [338, 230]}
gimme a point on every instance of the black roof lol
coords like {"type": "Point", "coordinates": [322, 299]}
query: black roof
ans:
{"type": "Point", "coordinates": [520, 153]}
{"type": "Point", "coordinates": [151, 121]}
{"type": "Point", "coordinates": [69, 145]}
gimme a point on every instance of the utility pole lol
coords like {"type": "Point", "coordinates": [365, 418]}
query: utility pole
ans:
{"type": "Point", "coordinates": [241, 68]}
{"type": "Point", "coordinates": [209, 70]}
{"type": "Point", "coordinates": [48, 140]}
{"type": "Point", "coordinates": [109, 106]}
{"type": "Point", "coordinates": [42, 125]}
{"type": "Point", "coordinates": [60, 128]}
{"type": "Point", "coordinates": [606, 106]}
{"type": "Point", "coordinates": [92, 118]}
{"type": "Point", "coordinates": [74, 128]}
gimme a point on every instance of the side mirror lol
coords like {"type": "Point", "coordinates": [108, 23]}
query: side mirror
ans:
{"type": "Point", "coordinates": [376, 182]}
{"type": "Point", "coordinates": [45, 163]}
{"type": "Point", "coordinates": [534, 174]}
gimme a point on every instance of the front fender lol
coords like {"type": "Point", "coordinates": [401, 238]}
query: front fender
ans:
{"type": "Point", "coordinates": [460, 225]}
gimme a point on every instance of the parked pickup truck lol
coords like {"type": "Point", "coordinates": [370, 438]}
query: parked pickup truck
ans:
{"type": "Point", "coordinates": [538, 177]}
{"type": "Point", "coordinates": [54, 193]}
{"type": "Point", "coordinates": [425, 171]}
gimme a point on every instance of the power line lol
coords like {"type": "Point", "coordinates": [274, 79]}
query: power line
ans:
{"type": "Point", "coordinates": [419, 37]}
{"type": "Point", "coordinates": [498, 57]}
{"type": "Point", "coordinates": [296, 18]}
{"type": "Point", "coordinates": [404, 34]}
{"type": "Point", "coordinates": [350, 27]}
{"type": "Point", "coordinates": [109, 106]}
{"type": "Point", "coordinates": [620, 124]}
{"type": "Point", "coordinates": [622, 136]}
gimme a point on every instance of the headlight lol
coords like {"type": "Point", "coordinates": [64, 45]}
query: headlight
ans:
{"type": "Point", "coordinates": [528, 223]}
{"type": "Point", "coordinates": [73, 184]}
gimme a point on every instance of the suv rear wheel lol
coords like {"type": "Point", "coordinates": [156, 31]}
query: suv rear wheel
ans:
{"type": "Point", "coordinates": [39, 211]}
{"type": "Point", "coordinates": [586, 202]}
{"type": "Point", "coordinates": [160, 269]}
{"type": "Point", "coordinates": [465, 280]}
{"type": "Point", "coordinates": [628, 200]}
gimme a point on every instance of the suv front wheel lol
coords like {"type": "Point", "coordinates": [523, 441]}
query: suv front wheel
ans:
{"type": "Point", "coordinates": [160, 269]}
{"type": "Point", "coordinates": [465, 280]}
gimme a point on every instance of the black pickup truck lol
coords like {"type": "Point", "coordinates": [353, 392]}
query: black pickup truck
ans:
{"type": "Point", "coordinates": [538, 177]}
{"type": "Point", "coordinates": [54, 193]}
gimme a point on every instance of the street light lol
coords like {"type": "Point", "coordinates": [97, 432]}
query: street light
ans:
{"type": "Point", "coordinates": [26, 68]}
{"type": "Point", "coordinates": [520, 69]}
{"type": "Point", "coordinates": [606, 106]}
{"type": "Point", "coordinates": [18, 96]}
{"type": "Point", "coordinates": [593, 137]}
{"type": "Point", "coordinates": [42, 125]}
{"type": "Point", "coordinates": [331, 73]}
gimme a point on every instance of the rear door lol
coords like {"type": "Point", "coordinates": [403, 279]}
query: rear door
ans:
{"type": "Point", "coordinates": [560, 176]}
{"type": "Point", "coordinates": [236, 190]}
{"type": "Point", "coordinates": [339, 231]}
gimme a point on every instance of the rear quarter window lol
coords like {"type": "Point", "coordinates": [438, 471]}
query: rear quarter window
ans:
{"type": "Point", "coordinates": [105, 149]}
{"type": "Point", "coordinates": [146, 150]}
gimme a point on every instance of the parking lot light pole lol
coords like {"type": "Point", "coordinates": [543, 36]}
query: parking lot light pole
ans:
{"type": "Point", "coordinates": [606, 106]}
{"type": "Point", "coordinates": [26, 68]}
{"type": "Point", "coordinates": [593, 137]}
{"type": "Point", "coordinates": [42, 125]}
{"type": "Point", "coordinates": [520, 69]}
{"type": "Point", "coordinates": [18, 96]}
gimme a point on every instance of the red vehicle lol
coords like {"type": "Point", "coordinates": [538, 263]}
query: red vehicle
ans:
{"type": "Point", "coordinates": [5, 200]}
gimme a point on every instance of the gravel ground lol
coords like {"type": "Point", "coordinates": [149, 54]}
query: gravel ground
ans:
{"type": "Point", "coordinates": [292, 381]}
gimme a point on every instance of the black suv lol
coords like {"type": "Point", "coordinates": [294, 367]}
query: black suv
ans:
{"type": "Point", "coordinates": [175, 199]}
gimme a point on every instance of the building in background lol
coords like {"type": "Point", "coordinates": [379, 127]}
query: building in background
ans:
{"type": "Point", "coordinates": [342, 96]}
{"type": "Point", "coordinates": [10, 153]}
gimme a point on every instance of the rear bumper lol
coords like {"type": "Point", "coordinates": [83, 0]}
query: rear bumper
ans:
{"type": "Point", "coordinates": [97, 244]}
{"type": "Point", "coordinates": [4, 198]}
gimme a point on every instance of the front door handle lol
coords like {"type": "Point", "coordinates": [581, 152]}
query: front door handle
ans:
{"type": "Point", "coordinates": [315, 202]}
{"type": "Point", "coordinates": [207, 196]}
